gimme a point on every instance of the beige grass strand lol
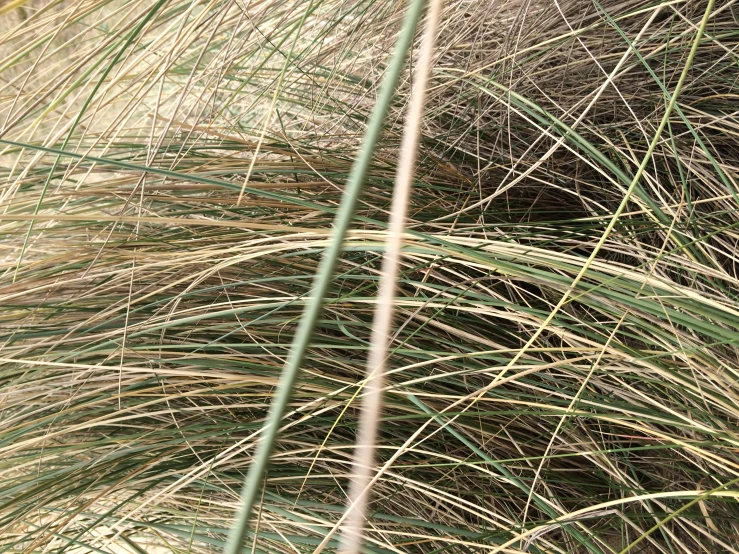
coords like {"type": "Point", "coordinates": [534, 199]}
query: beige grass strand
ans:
{"type": "Point", "coordinates": [351, 536]}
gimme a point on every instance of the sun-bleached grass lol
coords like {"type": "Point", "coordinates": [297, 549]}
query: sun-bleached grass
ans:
{"type": "Point", "coordinates": [146, 322]}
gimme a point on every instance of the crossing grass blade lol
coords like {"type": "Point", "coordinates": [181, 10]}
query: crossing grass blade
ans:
{"type": "Point", "coordinates": [324, 275]}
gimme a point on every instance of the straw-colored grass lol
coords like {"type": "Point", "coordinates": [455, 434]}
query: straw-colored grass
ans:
{"type": "Point", "coordinates": [562, 376]}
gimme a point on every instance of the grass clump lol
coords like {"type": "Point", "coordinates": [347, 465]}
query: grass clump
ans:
{"type": "Point", "coordinates": [562, 374]}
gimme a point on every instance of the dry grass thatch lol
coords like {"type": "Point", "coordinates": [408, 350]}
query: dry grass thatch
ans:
{"type": "Point", "coordinates": [561, 375]}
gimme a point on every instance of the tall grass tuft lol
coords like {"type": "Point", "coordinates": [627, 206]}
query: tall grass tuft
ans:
{"type": "Point", "coordinates": [562, 370]}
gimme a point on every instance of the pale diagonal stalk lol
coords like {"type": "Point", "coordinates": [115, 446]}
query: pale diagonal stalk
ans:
{"type": "Point", "coordinates": [257, 469]}
{"type": "Point", "coordinates": [364, 454]}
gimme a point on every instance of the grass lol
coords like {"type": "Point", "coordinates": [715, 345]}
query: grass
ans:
{"type": "Point", "coordinates": [562, 369]}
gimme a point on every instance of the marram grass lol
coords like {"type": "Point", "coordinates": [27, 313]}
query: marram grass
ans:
{"type": "Point", "coordinates": [147, 314]}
